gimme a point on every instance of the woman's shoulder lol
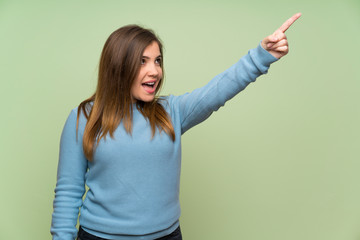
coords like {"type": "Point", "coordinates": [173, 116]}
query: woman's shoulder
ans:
{"type": "Point", "coordinates": [83, 108]}
{"type": "Point", "coordinates": [80, 112]}
{"type": "Point", "coordinates": [168, 102]}
{"type": "Point", "coordinates": [164, 101]}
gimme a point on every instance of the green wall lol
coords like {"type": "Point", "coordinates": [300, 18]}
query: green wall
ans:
{"type": "Point", "coordinates": [279, 161]}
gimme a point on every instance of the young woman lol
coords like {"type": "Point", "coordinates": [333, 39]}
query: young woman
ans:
{"type": "Point", "coordinates": [124, 142]}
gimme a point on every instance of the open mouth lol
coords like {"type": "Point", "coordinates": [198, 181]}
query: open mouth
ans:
{"type": "Point", "coordinates": [149, 87]}
{"type": "Point", "coordinates": [149, 84]}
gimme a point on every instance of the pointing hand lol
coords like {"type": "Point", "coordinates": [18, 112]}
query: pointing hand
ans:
{"type": "Point", "coordinates": [276, 44]}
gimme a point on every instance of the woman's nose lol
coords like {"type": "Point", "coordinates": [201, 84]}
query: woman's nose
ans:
{"type": "Point", "coordinates": [153, 70]}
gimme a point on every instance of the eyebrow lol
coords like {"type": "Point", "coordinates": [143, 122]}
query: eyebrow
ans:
{"type": "Point", "coordinates": [146, 57]}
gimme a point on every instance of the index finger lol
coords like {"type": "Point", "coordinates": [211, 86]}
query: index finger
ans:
{"type": "Point", "coordinates": [289, 22]}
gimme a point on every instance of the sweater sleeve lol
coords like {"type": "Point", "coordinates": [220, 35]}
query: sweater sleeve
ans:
{"type": "Point", "coordinates": [70, 186]}
{"type": "Point", "coordinates": [198, 105]}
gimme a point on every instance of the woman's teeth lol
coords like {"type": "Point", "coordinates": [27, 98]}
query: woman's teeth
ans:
{"type": "Point", "coordinates": [150, 84]}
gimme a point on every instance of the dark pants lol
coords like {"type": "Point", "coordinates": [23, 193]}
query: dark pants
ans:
{"type": "Point", "coordinates": [82, 235]}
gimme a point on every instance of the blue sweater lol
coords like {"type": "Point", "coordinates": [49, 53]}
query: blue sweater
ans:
{"type": "Point", "coordinates": [134, 180]}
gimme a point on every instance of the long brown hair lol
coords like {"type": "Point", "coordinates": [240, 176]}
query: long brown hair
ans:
{"type": "Point", "coordinates": [111, 103]}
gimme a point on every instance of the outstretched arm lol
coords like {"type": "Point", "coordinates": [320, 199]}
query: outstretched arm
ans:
{"type": "Point", "coordinates": [195, 107]}
{"type": "Point", "coordinates": [276, 44]}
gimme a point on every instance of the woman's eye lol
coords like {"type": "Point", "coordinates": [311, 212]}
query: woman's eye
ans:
{"type": "Point", "coordinates": [142, 61]}
{"type": "Point", "coordinates": [158, 61]}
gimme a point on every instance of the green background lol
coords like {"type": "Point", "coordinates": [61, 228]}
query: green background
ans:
{"type": "Point", "coordinates": [280, 161]}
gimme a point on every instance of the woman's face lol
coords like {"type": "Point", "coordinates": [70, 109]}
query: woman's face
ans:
{"type": "Point", "coordinates": [149, 75]}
